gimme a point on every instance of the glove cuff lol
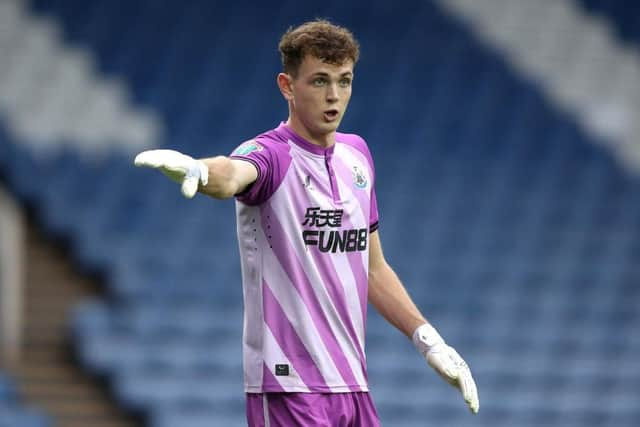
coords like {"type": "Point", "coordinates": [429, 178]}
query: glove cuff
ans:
{"type": "Point", "coordinates": [425, 337]}
{"type": "Point", "coordinates": [204, 172]}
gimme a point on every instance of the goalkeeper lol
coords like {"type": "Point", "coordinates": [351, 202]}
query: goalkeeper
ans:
{"type": "Point", "coordinates": [307, 225]}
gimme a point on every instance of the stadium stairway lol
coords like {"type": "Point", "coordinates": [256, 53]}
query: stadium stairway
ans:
{"type": "Point", "coordinates": [46, 374]}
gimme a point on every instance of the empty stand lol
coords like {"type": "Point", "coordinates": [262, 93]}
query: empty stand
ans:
{"type": "Point", "coordinates": [514, 230]}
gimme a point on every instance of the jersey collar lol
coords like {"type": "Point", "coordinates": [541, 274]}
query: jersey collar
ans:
{"type": "Point", "coordinates": [303, 143]}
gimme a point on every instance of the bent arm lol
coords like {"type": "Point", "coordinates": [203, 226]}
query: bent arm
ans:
{"type": "Point", "coordinates": [388, 295]}
{"type": "Point", "coordinates": [227, 177]}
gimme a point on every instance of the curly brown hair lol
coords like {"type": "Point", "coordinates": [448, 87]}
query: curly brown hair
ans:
{"type": "Point", "coordinates": [320, 38]}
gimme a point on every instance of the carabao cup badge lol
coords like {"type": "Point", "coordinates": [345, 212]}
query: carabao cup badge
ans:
{"type": "Point", "coordinates": [247, 148]}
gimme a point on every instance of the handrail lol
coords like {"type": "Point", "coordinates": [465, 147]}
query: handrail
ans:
{"type": "Point", "coordinates": [11, 277]}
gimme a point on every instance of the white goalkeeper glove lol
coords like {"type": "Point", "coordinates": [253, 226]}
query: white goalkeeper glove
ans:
{"type": "Point", "coordinates": [183, 169]}
{"type": "Point", "coordinates": [447, 363]}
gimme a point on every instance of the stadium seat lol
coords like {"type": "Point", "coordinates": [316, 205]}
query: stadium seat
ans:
{"type": "Point", "coordinates": [7, 388]}
{"type": "Point", "coordinates": [11, 416]}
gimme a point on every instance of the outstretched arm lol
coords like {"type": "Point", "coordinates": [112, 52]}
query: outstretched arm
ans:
{"type": "Point", "coordinates": [227, 177]}
{"type": "Point", "coordinates": [390, 298]}
{"type": "Point", "coordinates": [220, 177]}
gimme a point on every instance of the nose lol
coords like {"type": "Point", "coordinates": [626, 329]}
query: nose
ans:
{"type": "Point", "coordinates": [332, 93]}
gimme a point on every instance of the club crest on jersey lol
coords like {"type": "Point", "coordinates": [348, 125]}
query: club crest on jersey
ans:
{"type": "Point", "coordinates": [247, 148]}
{"type": "Point", "coordinates": [307, 183]}
{"type": "Point", "coordinates": [359, 178]}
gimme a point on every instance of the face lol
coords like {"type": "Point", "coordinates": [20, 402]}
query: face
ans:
{"type": "Point", "coordinates": [318, 96]}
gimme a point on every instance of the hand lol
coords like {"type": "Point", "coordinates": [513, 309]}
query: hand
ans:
{"type": "Point", "coordinates": [447, 363]}
{"type": "Point", "coordinates": [183, 169]}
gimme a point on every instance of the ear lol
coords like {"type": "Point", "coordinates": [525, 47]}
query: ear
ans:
{"type": "Point", "coordinates": [284, 83]}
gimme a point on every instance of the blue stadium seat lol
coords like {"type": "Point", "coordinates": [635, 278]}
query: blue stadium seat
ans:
{"type": "Point", "coordinates": [8, 391]}
{"type": "Point", "coordinates": [12, 415]}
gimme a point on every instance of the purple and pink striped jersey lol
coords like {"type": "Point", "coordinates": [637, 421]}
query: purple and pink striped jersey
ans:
{"type": "Point", "coordinates": [303, 232]}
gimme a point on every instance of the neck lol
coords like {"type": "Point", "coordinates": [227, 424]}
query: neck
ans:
{"type": "Point", "coordinates": [323, 140]}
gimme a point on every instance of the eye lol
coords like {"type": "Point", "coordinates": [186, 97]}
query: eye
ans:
{"type": "Point", "coordinates": [319, 81]}
{"type": "Point", "coordinates": [345, 82]}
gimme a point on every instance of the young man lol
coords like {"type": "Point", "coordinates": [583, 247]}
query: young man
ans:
{"type": "Point", "coordinates": [311, 257]}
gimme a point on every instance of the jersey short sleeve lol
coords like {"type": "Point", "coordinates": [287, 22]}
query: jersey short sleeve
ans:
{"type": "Point", "coordinates": [271, 159]}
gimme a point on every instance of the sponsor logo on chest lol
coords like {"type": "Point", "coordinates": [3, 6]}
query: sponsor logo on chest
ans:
{"type": "Point", "coordinates": [331, 240]}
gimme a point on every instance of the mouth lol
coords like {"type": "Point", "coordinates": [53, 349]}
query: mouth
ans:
{"type": "Point", "coordinates": [331, 115]}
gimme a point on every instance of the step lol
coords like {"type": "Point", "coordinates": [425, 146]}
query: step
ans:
{"type": "Point", "coordinates": [56, 310]}
{"type": "Point", "coordinates": [35, 352]}
{"type": "Point", "coordinates": [47, 325]}
{"type": "Point", "coordinates": [61, 389]}
{"type": "Point", "coordinates": [55, 372]}
{"type": "Point", "coordinates": [65, 408]}
{"type": "Point", "coordinates": [34, 339]}
{"type": "Point", "coordinates": [96, 422]}
{"type": "Point", "coordinates": [55, 290]}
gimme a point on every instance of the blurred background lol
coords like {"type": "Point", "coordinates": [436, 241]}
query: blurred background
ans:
{"type": "Point", "coordinates": [507, 143]}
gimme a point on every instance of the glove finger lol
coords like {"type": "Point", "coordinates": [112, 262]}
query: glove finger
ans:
{"type": "Point", "coordinates": [169, 159]}
{"type": "Point", "coordinates": [149, 158]}
{"type": "Point", "coordinates": [443, 364]}
{"type": "Point", "coordinates": [190, 186]}
{"type": "Point", "coordinates": [469, 389]}
{"type": "Point", "coordinates": [466, 384]}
